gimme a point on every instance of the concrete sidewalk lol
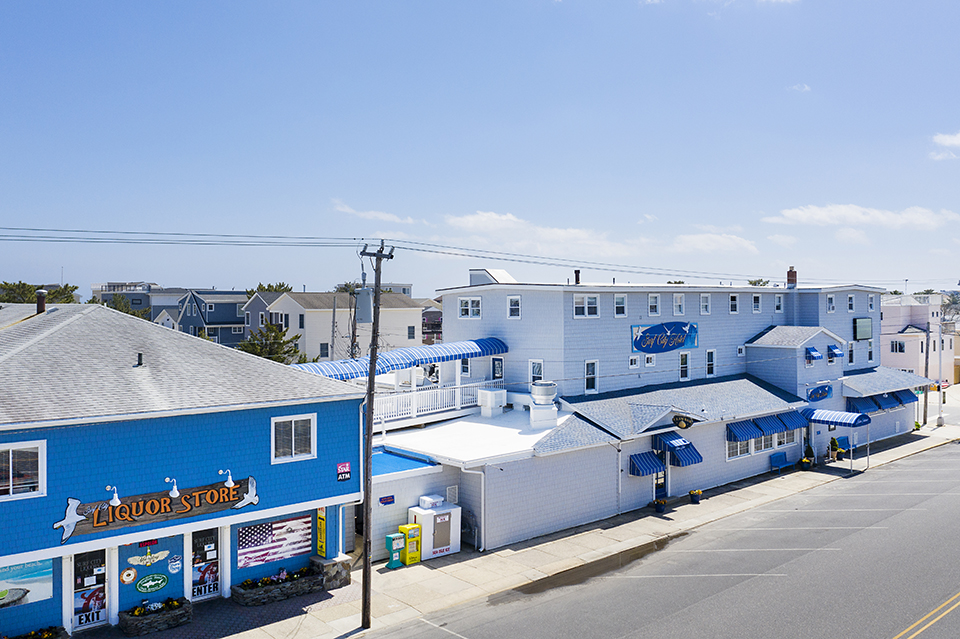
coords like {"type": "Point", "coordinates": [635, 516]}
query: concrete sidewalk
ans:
{"type": "Point", "coordinates": [411, 591]}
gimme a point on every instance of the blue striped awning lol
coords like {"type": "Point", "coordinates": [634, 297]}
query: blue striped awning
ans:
{"type": "Point", "coordinates": [813, 354]}
{"type": "Point", "coordinates": [682, 452]}
{"type": "Point", "coordinates": [905, 396]}
{"type": "Point", "coordinates": [835, 351]}
{"type": "Point", "coordinates": [886, 400]}
{"type": "Point", "coordinates": [861, 405]}
{"type": "Point", "coordinates": [742, 431]}
{"type": "Point", "coordinates": [403, 358]}
{"type": "Point", "coordinates": [770, 425]}
{"type": "Point", "coordinates": [834, 417]}
{"type": "Point", "coordinates": [647, 463]}
{"type": "Point", "coordinates": [793, 419]}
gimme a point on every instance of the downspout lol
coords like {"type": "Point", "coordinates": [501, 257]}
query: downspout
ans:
{"type": "Point", "coordinates": [483, 505]}
{"type": "Point", "coordinates": [619, 477]}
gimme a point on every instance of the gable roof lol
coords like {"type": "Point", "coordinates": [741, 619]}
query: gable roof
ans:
{"type": "Point", "coordinates": [77, 363]}
{"type": "Point", "coordinates": [790, 336]}
{"type": "Point", "coordinates": [324, 301]}
{"type": "Point", "coordinates": [267, 297]}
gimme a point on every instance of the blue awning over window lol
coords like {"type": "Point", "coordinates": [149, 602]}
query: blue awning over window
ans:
{"type": "Point", "coordinates": [905, 396]}
{"type": "Point", "coordinates": [813, 354]}
{"type": "Point", "coordinates": [770, 425]}
{"type": "Point", "coordinates": [861, 405]}
{"type": "Point", "coordinates": [647, 463]}
{"type": "Point", "coordinates": [835, 351]}
{"type": "Point", "coordinates": [886, 400]}
{"type": "Point", "coordinates": [742, 431]}
{"type": "Point", "coordinates": [793, 419]}
{"type": "Point", "coordinates": [835, 417]}
{"type": "Point", "coordinates": [682, 452]}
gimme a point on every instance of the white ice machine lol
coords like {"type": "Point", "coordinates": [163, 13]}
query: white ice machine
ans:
{"type": "Point", "coordinates": [440, 528]}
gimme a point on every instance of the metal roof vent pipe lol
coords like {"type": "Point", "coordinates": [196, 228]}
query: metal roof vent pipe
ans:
{"type": "Point", "coordinates": [543, 412]}
{"type": "Point", "coordinates": [791, 278]}
{"type": "Point", "coordinates": [576, 276]}
{"type": "Point", "coordinates": [41, 301]}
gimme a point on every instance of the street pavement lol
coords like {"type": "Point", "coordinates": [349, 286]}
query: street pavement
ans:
{"type": "Point", "coordinates": [569, 556]}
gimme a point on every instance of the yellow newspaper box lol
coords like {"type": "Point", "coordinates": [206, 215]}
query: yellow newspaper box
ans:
{"type": "Point", "coordinates": [411, 546]}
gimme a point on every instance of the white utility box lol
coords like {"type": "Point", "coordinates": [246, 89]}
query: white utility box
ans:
{"type": "Point", "coordinates": [440, 529]}
{"type": "Point", "coordinates": [429, 501]}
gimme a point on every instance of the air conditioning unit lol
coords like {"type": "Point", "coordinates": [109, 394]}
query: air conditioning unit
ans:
{"type": "Point", "coordinates": [491, 401]}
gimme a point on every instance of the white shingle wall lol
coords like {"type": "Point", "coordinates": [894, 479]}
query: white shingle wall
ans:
{"type": "Point", "coordinates": [775, 365]}
{"type": "Point", "coordinates": [637, 492]}
{"type": "Point", "coordinates": [406, 493]}
{"type": "Point", "coordinates": [544, 494]}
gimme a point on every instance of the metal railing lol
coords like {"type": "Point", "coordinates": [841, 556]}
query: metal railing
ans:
{"type": "Point", "coordinates": [427, 401]}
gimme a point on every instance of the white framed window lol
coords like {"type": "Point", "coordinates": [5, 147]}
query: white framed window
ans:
{"type": "Point", "coordinates": [807, 362]}
{"type": "Point", "coordinates": [324, 349]}
{"type": "Point", "coordinates": [786, 438]}
{"type": "Point", "coordinates": [871, 302]}
{"type": "Point", "coordinates": [193, 330]}
{"type": "Point", "coordinates": [469, 307]}
{"type": "Point", "coordinates": [585, 306]}
{"type": "Point", "coordinates": [737, 449]}
{"type": "Point", "coordinates": [869, 350]}
{"type": "Point", "coordinates": [261, 319]}
{"type": "Point", "coordinates": [831, 360]}
{"type": "Point", "coordinates": [411, 331]}
{"type": "Point", "coordinates": [23, 470]}
{"type": "Point", "coordinates": [619, 305]}
{"type": "Point", "coordinates": [513, 306]}
{"type": "Point", "coordinates": [734, 303]}
{"type": "Point", "coordinates": [684, 365]}
{"type": "Point", "coordinates": [756, 302]}
{"type": "Point", "coordinates": [209, 308]}
{"type": "Point", "coordinates": [195, 310]}
{"type": "Point", "coordinates": [778, 303]}
{"type": "Point", "coordinates": [653, 304]}
{"type": "Point", "coordinates": [293, 438]}
{"type": "Point", "coordinates": [246, 318]}
{"type": "Point", "coordinates": [535, 370]}
{"type": "Point", "coordinates": [496, 368]}
{"type": "Point", "coordinates": [240, 310]}
{"type": "Point", "coordinates": [741, 350]}
{"type": "Point", "coordinates": [898, 347]}
{"type": "Point", "coordinates": [850, 303]}
{"type": "Point", "coordinates": [849, 352]}
{"type": "Point", "coordinates": [237, 330]}
{"type": "Point", "coordinates": [678, 303]}
{"type": "Point", "coordinates": [763, 443]}
{"type": "Point", "coordinates": [203, 307]}
{"type": "Point", "coordinates": [590, 376]}
{"type": "Point", "coordinates": [704, 303]}
{"type": "Point", "coordinates": [831, 304]}
{"type": "Point", "coordinates": [711, 362]}
{"type": "Point", "coordinates": [464, 367]}
{"type": "Point", "coordinates": [634, 361]}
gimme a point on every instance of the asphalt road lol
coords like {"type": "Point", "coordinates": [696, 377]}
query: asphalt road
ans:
{"type": "Point", "coordinates": [876, 555]}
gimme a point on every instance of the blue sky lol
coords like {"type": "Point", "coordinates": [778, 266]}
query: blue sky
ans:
{"type": "Point", "coordinates": [731, 138]}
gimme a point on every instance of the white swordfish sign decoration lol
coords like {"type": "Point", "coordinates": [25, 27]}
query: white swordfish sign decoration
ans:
{"type": "Point", "coordinates": [77, 512]}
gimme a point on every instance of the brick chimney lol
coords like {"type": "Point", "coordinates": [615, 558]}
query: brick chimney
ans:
{"type": "Point", "coordinates": [791, 278]}
{"type": "Point", "coordinates": [41, 301]}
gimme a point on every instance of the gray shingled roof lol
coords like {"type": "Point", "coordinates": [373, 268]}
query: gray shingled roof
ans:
{"type": "Point", "coordinates": [874, 381]}
{"type": "Point", "coordinates": [325, 300]}
{"type": "Point", "coordinates": [78, 361]}
{"type": "Point", "coordinates": [11, 313]}
{"type": "Point", "coordinates": [574, 433]}
{"type": "Point", "coordinates": [629, 412]}
{"type": "Point", "coordinates": [794, 336]}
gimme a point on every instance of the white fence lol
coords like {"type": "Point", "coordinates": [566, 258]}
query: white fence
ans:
{"type": "Point", "coordinates": [436, 399]}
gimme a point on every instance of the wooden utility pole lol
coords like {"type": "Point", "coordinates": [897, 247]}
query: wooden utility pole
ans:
{"type": "Point", "coordinates": [368, 435]}
{"type": "Point", "coordinates": [926, 373]}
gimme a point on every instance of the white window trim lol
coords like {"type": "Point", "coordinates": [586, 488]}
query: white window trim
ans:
{"type": "Point", "coordinates": [584, 300]}
{"type": "Point", "coordinates": [651, 297]}
{"type": "Point", "coordinates": [634, 361]}
{"type": "Point", "coordinates": [469, 308]}
{"type": "Point", "coordinates": [237, 330]}
{"type": "Point", "coordinates": [851, 354]}
{"type": "Point", "coordinates": [741, 351]}
{"type": "Point", "coordinates": [649, 360]}
{"type": "Point", "coordinates": [831, 303]}
{"type": "Point", "coordinates": [778, 303]}
{"type": "Point", "coordinates": [510, 298]}
{"type": "Point", "coordinates": [680, 357]}
{"type": "Point", "coordinates": [733, 300]}
{"type": "Point", "coordinates": [704, 297]}
{"type": "Point", "coordinates": [41, 491]}
{"type": "Point", "coordinates": [209, 307]}
{"type": "Point", "coordinates": [240, 310]}
{"type": "Point", "coordinates": [796, 440]}
{"type": "Point", "coordinates": [261, 319]}
{"type": "Point", "coordinates": [595, 377]}
{"type": "Point", "coordinates": [740, 455]}
{"type": "Point", "coordinates": [246, 318]}
{"type": "Point", "coordinates": [530, 363]}
{"type": "Point", "coordinates": [293, 458]}
{"type": "Point", "coordinates": [851, 304]}
{"type": "Point", "coordinates": [678, 303]}
{"type": "Point", "coordinates": [869, 350]}
{"type": "Point", "coordinates": [464, 363]}
{"type": "Point", "coordinates": [707, 362]}
{"type": "Point", "coordinates": [871, 302]}
{"type": "Point", "coordinates": [756, 302]}
{"type": "Point", "coordinates": [625, 312]}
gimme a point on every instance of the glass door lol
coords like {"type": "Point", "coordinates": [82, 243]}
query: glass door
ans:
{"type": "Point", "coordinates": [206, 564]}
{"type": "Point", "coordinates": [89, 589]}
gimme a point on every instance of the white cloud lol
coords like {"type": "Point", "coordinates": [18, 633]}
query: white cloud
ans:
{"type": "Point", "coordinates": [712, 243]}
{"type": "Point", "coordinates": [943, 155]}
{"type": "Point", "coordinates": [852, 215]}
{"type": "Point", "coordinates": [802, 88]}
{"type": "Point", "coordinates": [372, 215]}
{"type": "Point", "coordinates": [785, 241]}
{"type": "Point", "coordinates": [848, 235]}
{"type": "Point", "coordinates": [945, 139]}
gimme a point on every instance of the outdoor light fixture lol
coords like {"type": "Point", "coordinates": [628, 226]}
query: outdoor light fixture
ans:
{"type": "Point", "coordinates": [229, 483]}
{"type": "Point", "coordinates": [173, 493]}
{"type": "Point", "coordinates": [115, 500]}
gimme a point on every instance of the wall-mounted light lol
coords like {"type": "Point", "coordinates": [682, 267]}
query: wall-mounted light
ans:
{"type": "Point", "coordinates": [115, 500]}
{"type": "Point", "coordinates": [174, 493]}
{"type": "Point", "coordinates": [229, 483]}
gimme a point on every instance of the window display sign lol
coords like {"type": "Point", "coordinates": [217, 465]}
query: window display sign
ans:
{"type": "Point", "coordinates": [100, 516]}
{"type": "Point", "coordinates": [661, 338]}
{"type": "Point", "coordinates": [322, 531]}
{"type": "Point", "coordinates": [89, 589]}
{"type": "Point", "coordinates": [26, 583]}
{"type": "Point", "coordinates": [206, 564]}
{"type": "Point", "coordinates": [274, 541]}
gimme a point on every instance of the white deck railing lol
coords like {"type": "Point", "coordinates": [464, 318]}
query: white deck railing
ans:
{"type": "Point", "coordinates": [427, 401]}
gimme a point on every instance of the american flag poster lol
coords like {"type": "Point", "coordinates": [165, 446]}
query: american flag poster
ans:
{"type": "Point", "coordinates": [274, 541]}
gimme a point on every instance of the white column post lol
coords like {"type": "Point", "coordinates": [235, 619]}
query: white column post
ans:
{"type": "Point", "coordinates": [113, 588]}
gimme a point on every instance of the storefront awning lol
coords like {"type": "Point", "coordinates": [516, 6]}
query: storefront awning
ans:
{"type": "Point", "coordinates": [835, 351]}
{"type": "Point", "coordinates": [770, 425]}
{"type": "Point", "coordinates": [813, 354]}
{"type": "Point", "coordinates": [742, 431]}
{"type": "Point", "coordinates": [792, 419]}
{"type": "Point", "coordinates": [647, 463]}
{"type": "Point", "coordinates": [861, 405]}
{"type": "Point", "coordinates": [886, 400]}
{"type": "Point", "coordinates": [682, 452]}
{"type": "Point", "coordinates": [834, 417]}
{"type": "Point", "coordinates": [905, 396]}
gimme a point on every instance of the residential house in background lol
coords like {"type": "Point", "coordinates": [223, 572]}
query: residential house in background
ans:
{"type": "Point", "coordinates": [217, 314]}
{"type": "Point", "coordinates": [255, 313]}
{"type": "Point", "coordinates": [394, 287]}
{"type": "Point", "coordinates": [904, 342]}
{"type": "Point", "coordinates": [432, 320]}
{"type": "Point", "coordinates": [141, 295]}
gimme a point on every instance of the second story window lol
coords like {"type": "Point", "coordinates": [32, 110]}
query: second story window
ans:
{"type": "Point", "coordinates": [585, 306]}
{"type": "Point", "coordinates": [620, 305]}
{"type": "Point", "coordinates": [678, 303]}
{"type": "Point", "coordinates": [734, 303]}
{"type": "Point", "coordinates": [469, 307]}
{"type": "Point", "coordinates": [704, 303]}
{"type": "Point", "coordinates": [850, 303]}
{"type": "Point", "coordinates": [411, 332]}
{"type": "Point", "coordinates": [23, 468]}
{"type": "Point", "coordinates": [324, 350]}
{"type": "Point", "coordinates": [513, 307]}
{"type": "Point", "coordinates": [778, 303]}
{"type": "Point", "coordinates": [831, 304]}
{"type": "Point", "coordinates": [653, 304]}
{"type": "Point", "coordinates": [756, 302]}
{"type": "Point", "coordinates": [294, 438]}
{"type": "Point", "coordinates": [870, 302]}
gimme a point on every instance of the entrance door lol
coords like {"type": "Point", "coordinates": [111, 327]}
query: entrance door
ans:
{"type": "Point", "coordinates": [660, 480]}
{"type": "Point", "coordinates": [206, 564]}
{"type": "Point", "coordinates": [90, 589]}
{"type": "Point", "coordinates": [441, 530]}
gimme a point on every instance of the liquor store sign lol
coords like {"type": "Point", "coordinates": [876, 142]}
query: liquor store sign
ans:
{"type": "Point", "coordinates": [99, 516]}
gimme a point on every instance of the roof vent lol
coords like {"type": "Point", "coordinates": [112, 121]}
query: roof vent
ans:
{"type": "Point", "coordinates": [791, 278]}
{"type": "Point", "coordinates": [41, 301]}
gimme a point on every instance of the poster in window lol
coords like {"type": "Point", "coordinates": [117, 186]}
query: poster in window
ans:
{"type": "Point", "coordinates": [26, 583]}
{"type": "Point", "coordinates": [274, 541]}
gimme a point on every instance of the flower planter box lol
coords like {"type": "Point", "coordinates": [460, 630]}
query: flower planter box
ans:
{"type": "Point", "coordinates": [145, 624]}
{"type": "Point", "coordinates": [58, 633]}
{"type": "Point", "coordinates": [694, 499]}
{"type": "Point", "coordinates": [276, 592]}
